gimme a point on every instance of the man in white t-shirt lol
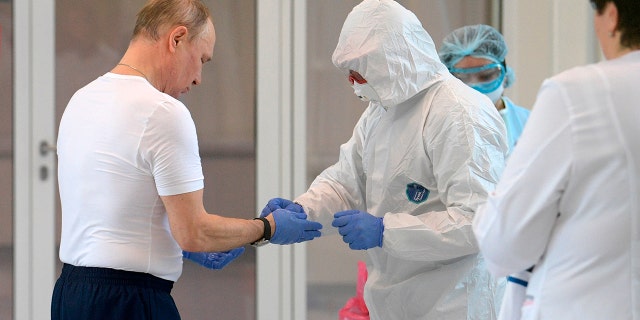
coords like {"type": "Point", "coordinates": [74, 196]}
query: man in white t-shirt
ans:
{"type": "Point", "coordinates": [131, 181]}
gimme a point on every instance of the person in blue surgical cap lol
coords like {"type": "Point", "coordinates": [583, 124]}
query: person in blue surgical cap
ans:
{"type": "Point", "coordinates": [423, 155]}
{"type": "Point", "coordinates": [476, 55]}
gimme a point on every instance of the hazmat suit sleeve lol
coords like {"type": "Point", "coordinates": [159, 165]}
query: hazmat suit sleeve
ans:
{"type": "Point", "coordinates": [341, 186]}
{"type": "Point", "coordinates": [466, 145]}
{"type": "Point", "coordinates": [514, 226]}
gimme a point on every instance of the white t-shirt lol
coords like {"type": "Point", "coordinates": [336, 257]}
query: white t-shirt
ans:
{"type": "Point", "coordinates": [568, 201]}
{"type": "Point", "coordinates": [121, 145]}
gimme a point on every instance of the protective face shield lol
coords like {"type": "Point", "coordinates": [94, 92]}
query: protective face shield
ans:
{"type": "Point", "coordinates": [487, 79]}
{"type": "Point", "coordinates": [365, 92]}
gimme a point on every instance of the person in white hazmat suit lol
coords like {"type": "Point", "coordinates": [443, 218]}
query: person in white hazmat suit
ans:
{"type": "Point", "coordinates": [423, 156]}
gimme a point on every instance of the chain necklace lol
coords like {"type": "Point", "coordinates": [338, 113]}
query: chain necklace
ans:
{"type": "Point", "coordinates": [135, 69]}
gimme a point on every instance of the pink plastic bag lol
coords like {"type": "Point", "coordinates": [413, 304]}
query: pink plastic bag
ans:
{"type": "Point", "coordinates": [355, 308]}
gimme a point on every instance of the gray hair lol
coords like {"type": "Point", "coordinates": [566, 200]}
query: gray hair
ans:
{"type": "Point", "coordinates": [159, 15]}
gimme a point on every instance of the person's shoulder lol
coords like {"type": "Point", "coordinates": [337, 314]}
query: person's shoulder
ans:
{"type": "Point", "coordinates": [449, 89]}
{"type": "Point", "coordinates": [453, 94]}
{"type": "Point", "coordinates": [145, 95]}
{"type": "Point", "coordinates": [455, 102]}
{"type": "Point", "coordinates": [626, 64]}
{"type": "Point", "coordinates": [171, 105]}
{"type": "Point", "coordinates": [575, 83]}
{"type": "Point", "coordinates": [94, 83]}
{"type": "Point", "coordinates": [575, 75]}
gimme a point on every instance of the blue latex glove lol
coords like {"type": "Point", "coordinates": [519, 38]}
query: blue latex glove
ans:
{"type": "Point", "coordinates": [280, 203]}
{"type": "Point", "coordinates": [359, 229]}
{"type": "Point", "coordinates": [293, 227]}
{"type": "Point", "coordinates": [213, 260]}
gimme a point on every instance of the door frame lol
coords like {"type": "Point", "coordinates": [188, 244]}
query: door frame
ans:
{"type": "Point", "coordinates": [281, 154]}
{"type": "Point", "coordinates": [33, 161]}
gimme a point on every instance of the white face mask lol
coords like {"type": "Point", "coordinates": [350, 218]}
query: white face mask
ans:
{"type": "Point", "coordinates": [365, 92]}
{"type": "Point", "coordinates": [496, 94]}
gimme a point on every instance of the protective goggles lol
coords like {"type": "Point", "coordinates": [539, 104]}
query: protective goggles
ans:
{"type": "Point", "coordinates": [355, 77]}
{"type": "Point", "coordinates": [484, 79]}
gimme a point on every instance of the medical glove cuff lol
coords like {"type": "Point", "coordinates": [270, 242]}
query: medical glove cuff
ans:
{"type": "Point", "coordinates": [380, 228]}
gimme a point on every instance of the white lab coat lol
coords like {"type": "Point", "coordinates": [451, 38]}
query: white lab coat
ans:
{"type": "Point", "coordinates": [515, 118]}
{"type": "Point", "coordinates": [424, 160]}
{"type": "Point", "coordinates": [568, 200]}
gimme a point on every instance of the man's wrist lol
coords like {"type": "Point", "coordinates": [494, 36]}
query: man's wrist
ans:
{"type": "Point", "coordinates": [266, 234]}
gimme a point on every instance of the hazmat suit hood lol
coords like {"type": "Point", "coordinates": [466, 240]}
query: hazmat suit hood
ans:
{"type": "Point", "coordinates": [388, 46]}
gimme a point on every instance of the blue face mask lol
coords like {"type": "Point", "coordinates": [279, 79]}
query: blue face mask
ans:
{"type": "Point", "coordinates": [496, 94]}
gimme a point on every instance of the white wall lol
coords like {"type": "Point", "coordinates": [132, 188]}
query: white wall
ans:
{"type": "Point", "coordinates": [544, 38]}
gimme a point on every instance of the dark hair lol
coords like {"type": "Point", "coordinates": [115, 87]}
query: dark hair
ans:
{"type": "Point", "coordinates": [628, 20]}
{"type": "Point", "coordinates": [157, 15]}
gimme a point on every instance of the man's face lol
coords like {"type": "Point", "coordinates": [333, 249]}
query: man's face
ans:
{"type": "Point", "coordinates": [190, 57]}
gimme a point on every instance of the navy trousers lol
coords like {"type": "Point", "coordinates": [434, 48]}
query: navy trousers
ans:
{"type": "Point", "coordinates": [107, 294]}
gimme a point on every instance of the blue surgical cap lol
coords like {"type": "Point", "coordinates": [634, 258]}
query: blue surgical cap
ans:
{"type": "Point", "coordinates": [480, 41]}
